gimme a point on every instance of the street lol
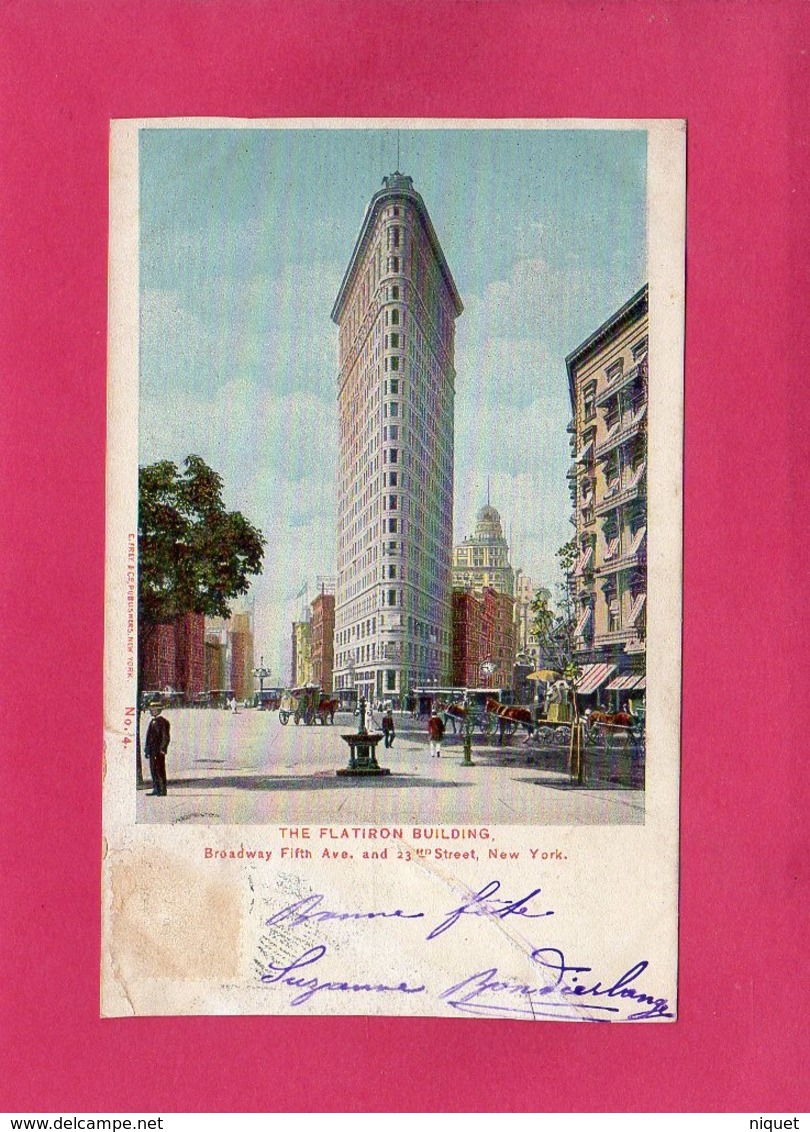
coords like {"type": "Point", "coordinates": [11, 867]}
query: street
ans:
{"type": "Point", "coordinates": [226, 768]}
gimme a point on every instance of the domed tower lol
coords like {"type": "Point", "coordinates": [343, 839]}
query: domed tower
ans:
{"type": "Point", "coordinates": [482, 560]}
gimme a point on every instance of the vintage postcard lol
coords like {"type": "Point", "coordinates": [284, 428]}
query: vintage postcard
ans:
{"type": "Point", "coordinates": [393, 620]}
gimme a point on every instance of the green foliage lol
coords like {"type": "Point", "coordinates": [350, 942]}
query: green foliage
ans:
{"type": "Point", "coordinates": [193, 555]}
{"type": "Point", "coordinates": [553, 628]}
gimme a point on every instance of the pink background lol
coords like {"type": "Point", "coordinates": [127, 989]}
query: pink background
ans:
{"type": "Point", "coordinates": [738, 74]}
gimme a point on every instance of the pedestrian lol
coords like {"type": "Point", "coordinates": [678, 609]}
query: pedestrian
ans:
{"type": "Point", "coordinates": [232, 704]}
{"type": "Point", "coordinates": [435, 734]}
{"type": "Point", "coordinates": [388, 727]}
{"type": "Point", "coordinates": [158, 734]}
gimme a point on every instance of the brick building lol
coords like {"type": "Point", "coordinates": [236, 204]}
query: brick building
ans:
{"type": "Point", "coordinates": [322, 640]}
{"type": "Point", "coordinates": [175, 656]}
{"type": "Point", "coordinates": [484, 639]}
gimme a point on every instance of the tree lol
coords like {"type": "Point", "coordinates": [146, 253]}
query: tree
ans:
{"type": "Point", "coordinates": [554, 629]}
{"type": "Point", "coordinates": [193, 555]}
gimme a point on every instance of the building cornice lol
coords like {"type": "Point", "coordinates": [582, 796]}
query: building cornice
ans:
{"type": "Point", "coordinates": [634, 309]}
{"type": "Point", "coordinates": [399, 190]}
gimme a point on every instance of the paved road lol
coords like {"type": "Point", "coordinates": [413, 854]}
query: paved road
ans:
{"type": "Point", "coordinates": [248, 768]}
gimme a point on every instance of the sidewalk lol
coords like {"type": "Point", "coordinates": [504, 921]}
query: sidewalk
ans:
{"type": "Point", "coordinates": [289, 778]}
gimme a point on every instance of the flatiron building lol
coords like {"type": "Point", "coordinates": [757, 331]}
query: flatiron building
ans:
{"type": "Point", "coordinates": [395, 312]}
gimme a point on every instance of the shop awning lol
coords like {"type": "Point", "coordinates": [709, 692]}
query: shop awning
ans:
{"type": "Point", "coordinates": [593, 676]}
{"type": "Point", "coordinates": [623, 683]}
{"type": "Point", "coordinates": [583, 452]}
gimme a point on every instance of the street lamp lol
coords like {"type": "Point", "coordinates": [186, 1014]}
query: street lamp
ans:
{"type": "Point", "coordinates": [261, 674]}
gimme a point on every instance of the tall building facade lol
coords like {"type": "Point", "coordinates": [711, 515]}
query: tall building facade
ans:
{"type": "Point", "coordinates": [301, 667]}
{"type": "Point", "coordinates": [175, 656]}
{"type": "Point", "coordinates": [608, 382]}
{"type": "Point", "coordinates": [484, 635]}
{"type": "Point", "coordinates": [241, 642]}
{"type": "Point", "coordinates": [322, 640]}
{"type": "Point", "coordinates": [482, 559]}
{"type": "Point", "coordinates": [395, 312]}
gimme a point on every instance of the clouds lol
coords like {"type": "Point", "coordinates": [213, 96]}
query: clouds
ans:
{"type": "Point", "coordinates": [245, 236]}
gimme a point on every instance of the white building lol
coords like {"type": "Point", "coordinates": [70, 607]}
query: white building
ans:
{"type": "Point", "coordinates": [396, 312]}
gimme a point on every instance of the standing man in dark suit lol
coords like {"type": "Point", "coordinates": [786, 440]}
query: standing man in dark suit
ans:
{"type": "Point", "coordinates": [158, 735]}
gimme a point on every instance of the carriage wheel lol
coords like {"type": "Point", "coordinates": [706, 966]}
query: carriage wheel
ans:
{"type": "Point", "coordinates": [284, 718]}
{"type": "Point", "coordinates": [562, 735]}
{"type": "Point", "coordinates": [545, 736]}
{"type": "Point", "coordinates": [297, 719]}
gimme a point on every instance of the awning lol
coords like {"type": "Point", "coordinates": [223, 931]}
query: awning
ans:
{"type": "Point", "coordinates": [583, 621]}
{"type": "Point", "coordinates": [583, 453]}
{"type": "Point", "coordinates": [593, 676]}
{"type": "Point", "coordinates": [637, 474]}
{"type": "Point", "coordinates": [544, 674]}
{"type": "Point", "coordinates": [638, 539]}
{"type": "Point", "coordinates": [636, 609]}
{"type": "Point", "coordinates": [623, 683]}
{"type": "Point", "coordinates": [642, 684]}
{"type": "Point", "coordinates": [639, 417]}
{"type": "Point", "coordinates": [611, 548]}
{"type": "Point", "coordinates": [584, 561]}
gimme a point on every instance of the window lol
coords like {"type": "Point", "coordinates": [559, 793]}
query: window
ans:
{"type": "Point", "coordinates": [613, 615]}
{"type": "Point", "coordinates": [392, 503]}
{"type": "Point", "coordinates": [589, 401]}
{"type": "Point", "coordinates": [392, 526]}
{"type": "Point", "coordinates": [394, 362]}
{"type": "Point", "coordinates": [395, 318]}
{"type": "Point", "coordinates": [615, 370]}
{"type": "Point", "coordinates": [395, 292]}
{"type": "Point", "coordinates": [394, 380]}
{"type": "Point", "coordinates": [392, 479]}
{"type": "Point", "coordinates": [394, 341]}
{"type": "Point", "coordinates": [392, 597]}
{"type": "Point", "coordinates": [392, 571]}
{"type": "Point", "coordinates": [393, 263]}
{"type": "Point", "coordinates": [393, 234]}
{"type": "Point", "coordinates": [394, 430]}
{"type": "Point", "coordinates": [390, 680]}
{"type": "Point", "coordinates": [394, 407]}
{"type": "Point", "coordinates": [639, 351]}
{"type": "Point", "coordinates": [393, 455]}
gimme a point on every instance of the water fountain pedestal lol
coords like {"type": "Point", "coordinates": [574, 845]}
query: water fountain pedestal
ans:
{"type": "Point", "coordinates": [362, 750]}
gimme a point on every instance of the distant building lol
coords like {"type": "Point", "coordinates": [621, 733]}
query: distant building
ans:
{"type": "Point", "coordinates": [322, 640]}
{"type": "Point", "coordinates": [395, 311]}
{"type": "Point", "coordinates": [482, 559]}
{"type": "Point", "coordinates": [301, 667]}
{"type": "Point", "coordinates": [241, 643]}
{"type": "Point", "coordinates": [607, 381]}
{"type": "Point", "coordinates": [483, 639]}
{"type": "Point", "coordinates": [525, 593]}
{"type": "Point", "coordinates": [175, 657]}
{"type": "Point", "coordinates": [214, 662]}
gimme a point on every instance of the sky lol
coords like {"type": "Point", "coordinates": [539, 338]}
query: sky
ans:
{"type": "Point", "coordinates": [244, 239]}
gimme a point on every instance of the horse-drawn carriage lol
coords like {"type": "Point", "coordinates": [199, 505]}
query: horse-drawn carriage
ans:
{"type": "Point", "coordinates": [307, 705]}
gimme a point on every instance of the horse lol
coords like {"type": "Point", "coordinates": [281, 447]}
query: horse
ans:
{"type": "Point", "coordinates": [509, 713]}
{"type": "Point", "coordinates": [327, 708]}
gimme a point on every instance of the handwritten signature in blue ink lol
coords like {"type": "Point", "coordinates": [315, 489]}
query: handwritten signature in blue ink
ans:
{"type": "Point", "coordinates": [561, 991]}
{"type": "Point", "coordinates": [485, 903]}
{"type": "Point", "coordinates": [482, 903]}
{"type": "Point", "coordinates": [309, 910]}
{"type": "Point", "coordinates": [307, 988]}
